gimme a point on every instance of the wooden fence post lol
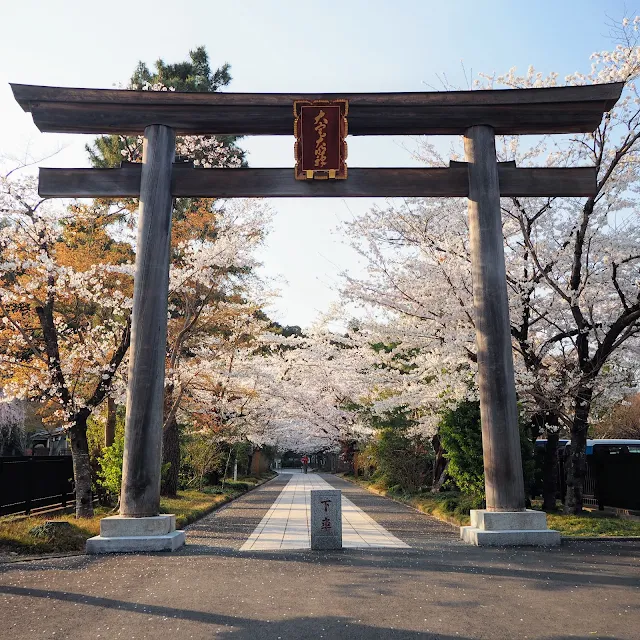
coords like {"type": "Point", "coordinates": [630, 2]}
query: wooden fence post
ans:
{"type": "Point", "coordinates": [29, 486]}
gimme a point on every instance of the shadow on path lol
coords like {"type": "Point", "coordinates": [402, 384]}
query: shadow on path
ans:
{"type": "Point", "coordinates": [555, 571]}
{"type": "Point", "coordinates": [251, 628]}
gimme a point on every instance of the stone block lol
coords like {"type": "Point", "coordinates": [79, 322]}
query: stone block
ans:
{"type": "Point", "coordinates": [51, 529]}
{"type": "Point", "coordinates": [509, 528]}
{"type": "Point", "coordinates": [510, 538]}
{"type": "Point", "coordinates": [326, 519]}
{"type": "Point", "coordinates": [123, 526]}
{"type": "Point", "coordinates": [122, 534]}
{"type": "Point", "coordinates": [135, 544]}
{"type": "Point", "coordinates": [508, 520]}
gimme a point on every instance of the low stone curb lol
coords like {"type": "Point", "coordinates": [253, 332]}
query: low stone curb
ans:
{"type": "Point", "coordinates": [51, 556]}
{"type": "Point", "coordinates": [457, 526]}
{"type": "Point", "coordinates": [6, 559]}
{"type": "Point", "coordinates": [601, 538]}
{"type": "Point", "coordinates": [452, 524]}
{"type": "Point", "coordinates": [224, 505]}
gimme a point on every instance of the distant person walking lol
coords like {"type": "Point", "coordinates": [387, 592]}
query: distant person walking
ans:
{"type": "Point", "coordinates": [305, 463]}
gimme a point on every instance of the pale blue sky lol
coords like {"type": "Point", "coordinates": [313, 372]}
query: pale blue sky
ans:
{"type": "Point", "coordinates": [347, 46]}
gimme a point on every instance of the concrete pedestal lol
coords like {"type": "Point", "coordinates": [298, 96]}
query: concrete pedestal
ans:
{"type": "Point", "coordinates": [121, 534]}
{"type": "Point", "coordinates": [509, 529]}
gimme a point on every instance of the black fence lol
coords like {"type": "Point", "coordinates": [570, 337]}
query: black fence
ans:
{"type": "Point", "coordinates": [31, 483]}
{"type": "Point", "coordinates": [612, 478]}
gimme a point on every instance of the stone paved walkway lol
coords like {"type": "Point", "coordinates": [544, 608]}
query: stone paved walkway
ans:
{"type": "Point", "coordinates": [286, 524]}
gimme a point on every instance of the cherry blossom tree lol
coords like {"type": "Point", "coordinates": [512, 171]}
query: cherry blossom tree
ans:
{"type": "Point", "coordinates": [211, 267]}
{"type": "Point", "coordinates": [65, 299]}
{"type": "Point", "coordinates": [211, 246]}
{"type": "Point", "coordinates": [214, 296]}
{"type": "Point", "coordinates": [309, 388]}
{"type": "Point", "coordinates": [12, 434]}
{"type": "Point", "coordinates": [572, 268]}
{"type": "Point", "coordinates": [65, 317]}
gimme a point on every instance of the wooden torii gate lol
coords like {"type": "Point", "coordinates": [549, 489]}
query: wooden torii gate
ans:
{"type": "Point", "coordinates": [477, 115]}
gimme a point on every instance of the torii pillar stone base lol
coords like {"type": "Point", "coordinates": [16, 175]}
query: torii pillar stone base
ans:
{"type": "Point", "coordinates": [119, 534]}
{"type": "Point", "coordinates": [509, 529]}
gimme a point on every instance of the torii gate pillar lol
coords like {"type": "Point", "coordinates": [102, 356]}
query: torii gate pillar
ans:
{"type": "Point", "coordinates": [140, 494]}
{"type": "Point", "coordinates": [139, 527]}
{"type": "Point", "coordinates": [505, 520]}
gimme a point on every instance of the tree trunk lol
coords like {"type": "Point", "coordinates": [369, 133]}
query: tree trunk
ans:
{"type": "Point", "coordinates": [550, 472]}
{"type": "Point", "coordinates": [81, 466]}
{"type": "Point", "coordinates": [439, 465]}
{"type": "Point", "coordinates": [576, 465]}
{"type": "Point", "coordinates": [110, 425]}
{"type": "Point", "coordinates": [226, 468]}
{"type": "Point", "coordinates": [170, 458]}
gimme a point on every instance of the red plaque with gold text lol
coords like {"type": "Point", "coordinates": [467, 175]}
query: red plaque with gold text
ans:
{"type": "Point", "coordinates": [320, 127]}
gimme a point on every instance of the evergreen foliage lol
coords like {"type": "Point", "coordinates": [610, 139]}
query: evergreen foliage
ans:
{"type": "Point", "coordinates": [106, 462]}
{"type": "Point", "coordinates": [401, 458]}
{"type": "Point", "coordinates": [193, 75]}
{"type": "Point", "coordinates": [461, 436]}
{"type": "Point", "coordinates": [460, 433]}
{"type": "Point", "coordinates": [110, 462]}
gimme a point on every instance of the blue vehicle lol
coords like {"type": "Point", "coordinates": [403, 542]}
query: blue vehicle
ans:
{"type": "Point", "coordinates": [611, 445]}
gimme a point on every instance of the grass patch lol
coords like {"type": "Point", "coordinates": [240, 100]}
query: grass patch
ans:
{"type": "Point", "coordinates": [17, 533]}
{"type": "Point", "coordinates": [16, 536]}
{"type": "Point", "coordinates": [191, 505]}
{"type": "Point", "coordinates": [593, 523]}
{"type": "Point", "coordinates": [454, 508]}
{"type": "Point", "coordinates": [451, 507]}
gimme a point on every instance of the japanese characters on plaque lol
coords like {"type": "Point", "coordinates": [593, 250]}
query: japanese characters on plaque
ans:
{"type": "Point", "coordinates": [320, 127]}
{"type": "Point", "coordinates": [326, 519]}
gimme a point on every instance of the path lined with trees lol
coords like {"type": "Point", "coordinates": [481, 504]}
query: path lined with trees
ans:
{"type": "Point", "coordinates": [388, 393]}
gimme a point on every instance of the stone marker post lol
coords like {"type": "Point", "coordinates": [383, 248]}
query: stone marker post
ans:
{"type": "Point", "coordinates": [326, 519]}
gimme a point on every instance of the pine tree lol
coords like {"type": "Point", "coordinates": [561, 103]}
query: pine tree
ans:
{"type": "Point", "coordinates": [194, 75]}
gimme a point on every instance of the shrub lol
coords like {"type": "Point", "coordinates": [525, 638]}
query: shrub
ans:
{"type": "Point", "coordinates": [466, 503]}
{"type": "Point", "coordinates": [450, 503]}
{"type": "Point", "coordinates": [214, 491]}
{"type": "Point", "coordinates": [238, 486]}
{"type": "Point", "coordinates": [109, 492]}
{"type": "Point", "coordinates": [401, 459]}
{"type": "Point", "coordinates": [202, 459]}
{"type": "Point", "coordinates": [50, 529]}
{"type": "Point", "coordinates": [110, 467]}
{"type": "Point", "coordinates": [461, 437]}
